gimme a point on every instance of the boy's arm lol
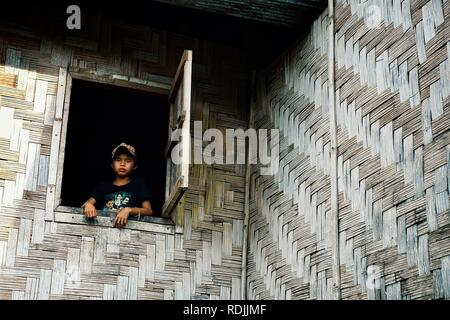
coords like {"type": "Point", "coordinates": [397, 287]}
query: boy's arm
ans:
{"type": "Point", "coordinates": [122, 217]}
{"type": "Point", "coordinates": [146, 209]}
{"type": "Point", "coordinates": [89, 208]}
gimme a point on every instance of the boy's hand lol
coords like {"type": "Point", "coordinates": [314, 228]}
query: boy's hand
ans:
{"type": "Point", "coordinates": [122, 217]}
{"type": "Point", "coordinates": [89, 210]}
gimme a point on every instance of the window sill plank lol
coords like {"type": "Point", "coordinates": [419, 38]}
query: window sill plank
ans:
{"type": "Point", "coordinates": [151, 224]}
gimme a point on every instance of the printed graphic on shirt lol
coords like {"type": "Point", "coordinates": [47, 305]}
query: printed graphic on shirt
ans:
{"type": "Point", "coordinates": [117, 200]}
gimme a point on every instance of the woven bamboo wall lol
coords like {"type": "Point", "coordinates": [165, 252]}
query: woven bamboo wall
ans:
{"type": "Point", "coordinates": [41, 259]}
{"type": "Point", "coordinates": [393, 116]}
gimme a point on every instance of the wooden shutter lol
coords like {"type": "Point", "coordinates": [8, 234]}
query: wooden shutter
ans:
{"type": "Point", "coordinates": [177, 175]}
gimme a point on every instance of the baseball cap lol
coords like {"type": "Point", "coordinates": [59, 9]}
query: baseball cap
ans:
{"type": "Point", "coordinates": [124, 148]}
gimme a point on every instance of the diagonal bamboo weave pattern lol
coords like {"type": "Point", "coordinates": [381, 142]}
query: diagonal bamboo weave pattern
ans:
{"type": "Point", "coordinates": [393, 116]}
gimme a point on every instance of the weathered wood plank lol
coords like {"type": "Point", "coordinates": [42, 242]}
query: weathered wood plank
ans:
{"type": "Point", "coordinates": [431, 210]}
{"type": "Point", "coordinates": [23, 240]}
{"type": "Point", "coordinates": [436, 105]}
{"type": "Point", "coordinates": [55, 144]}
{"type": "Point", "coordinates": [445, 273]}
{"type": "Point", "coordinates": [216, 250]}
{"type": "Point", "coordinates": [132, 292]}
{"type": "Point", "coordinates": [404, 82]}
{"type": "Point", "coordinates": [411, 245]}
{"type": "Point", "coordinates": [73, 266]}
{"type": "Point", "coordinates": [363, 66]}
{"type": "Point", "coordinates": [32, 289]}
{"type": "Point", "coordinates": [122, 288]}
{"type": "Point", "coordinates": [58, 277]}
{"type": "Point", "coordinates": [178, 290]}
{"type": "Point", "coordinates": [142, 270]}
{"type": "Point", "coordinates": [43, 171]}
{"type": "Point", "coordinates": [50, 108]}
{"type": "Point", "coordinates": [40, 98]}
{"type": "Point", "coordinates": [401, 232]}
{"type": "Point", "coordinates": [448, 168]}
{"type": "Point", "coordinates": [102, 221]}
{"type": "Point", "coordinates": [393, 291]}
{"type": "Point", "coordinates": [414, 87]}
{"type": "Point", "coordinates": [44, 284]}
{"type": "Point", "coordinates": [168, 294]}
{"type": "Point", "coordinates": [389, 227]}
{"type": "Point", "coordinates": [371, 69]}
{"type": "Point", "coordinates": [444, 81]}
{"type": "Point", "coordinates": [382, 71]}
{"type": "Point", "coordinates": [38, 226]}
{"type": "Point", "coordinates": [207, 258]}
{"type": "Point", "coordinates": [438, 290]}
{"type": "Point", "coordinates": [6, 122]}
{"type": "Point", "coordinates": [12, 247]}
{"type": "Point", "coordinates": [418, 169]}
{"type": "Point", "coordinates": [8, 193]}
{"type": "Point", "coordinates": [426, 122]}
{"type": "Point", "coordinates": [160, 260]}
{"type": "Point", "coordinates": [32, 168]}
{"type": "Point", "coordinates": [420, 43]}
{"type": "Point", "coordinates": [377, 220]}
{"type": "Point", "coordinates": [227, 239]}
{"type": "Point", "coordinates": [428, 22]}
{"type": "Point", "coordinates": [150, 262]}
{"type": "Point", "coordinates": [186, 285]}
{"type": "Point", "coordinates": [109, 291]}
{"type": "Point", "coordinates": [86, 254]}
{"type": "Point", "coordinates": [399, 156]}
{"type": "Point", "coordinates": [406, 15]}
{"type": "Point", "coordinates": [18, 295]}
{"type": "Point", "coordinates": [100, 247]}
{"type": "Point", "coordinates": [423, 262]}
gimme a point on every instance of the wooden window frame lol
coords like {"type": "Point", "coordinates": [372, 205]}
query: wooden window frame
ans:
{"type": "Point", "coordinates": [56, 212]}
{"type": "Point", "coordinates": [181, 85]}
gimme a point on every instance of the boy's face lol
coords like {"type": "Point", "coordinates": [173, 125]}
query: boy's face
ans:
{"type": "Point", "coordinates": [123, 165]}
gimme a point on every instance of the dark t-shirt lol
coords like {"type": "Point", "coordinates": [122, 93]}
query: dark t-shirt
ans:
{"type": "Point", "coordinates": [111, 197]}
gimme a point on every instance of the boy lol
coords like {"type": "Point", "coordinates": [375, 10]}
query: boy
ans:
{"type": "Point", "coordinates": [126, 195]}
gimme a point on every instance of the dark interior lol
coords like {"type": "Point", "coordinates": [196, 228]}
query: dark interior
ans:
{"type": "Point", "coordinates": [102, 116]}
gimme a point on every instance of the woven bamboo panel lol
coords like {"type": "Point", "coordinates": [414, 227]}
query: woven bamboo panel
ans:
{"type": "Point", "coordinates": [269, 11]}
{"type": "Point", "coordinates": [63, 259]}
{"type": "Point", "coordinates": [393, 116]}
